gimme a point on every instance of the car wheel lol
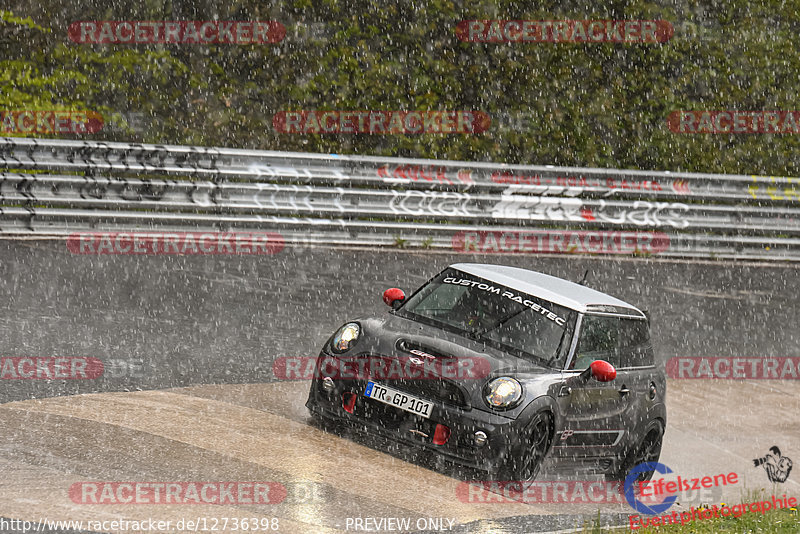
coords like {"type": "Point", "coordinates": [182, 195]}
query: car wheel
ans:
{"type": "Point", "coordinates": [538, 434]}
{"type": "Point", "coordinates": [648, 450]}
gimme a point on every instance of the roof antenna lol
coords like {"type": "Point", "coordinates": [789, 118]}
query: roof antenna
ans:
{"type": "Point", "coordinates": [585, 276]}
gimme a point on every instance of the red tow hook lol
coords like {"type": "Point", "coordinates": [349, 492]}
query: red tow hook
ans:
{"type": "Point", "coordinates": [441, 435]}
{"type": "Point", "coordinates": [349, 402]}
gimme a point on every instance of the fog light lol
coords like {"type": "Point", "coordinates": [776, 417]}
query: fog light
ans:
{"type": "Point", "coordinates": [328, 385]}
{"type": "Point", "coordinates": [480, 438]}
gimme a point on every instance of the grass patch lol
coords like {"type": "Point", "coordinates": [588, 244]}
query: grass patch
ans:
{"type": "Point", "coordinates": [773, 521]}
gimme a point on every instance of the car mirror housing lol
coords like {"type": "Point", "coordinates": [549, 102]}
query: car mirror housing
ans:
{"type": "Point", "coordinates": [602, 371]}
{"type": "Point", "coordinates": [394, 297]}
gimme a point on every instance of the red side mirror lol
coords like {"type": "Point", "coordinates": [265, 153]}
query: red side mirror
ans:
{"type": "Point", "coordinates": [393, 297]}
{"type": "Point", "coordinates": [602, 371]}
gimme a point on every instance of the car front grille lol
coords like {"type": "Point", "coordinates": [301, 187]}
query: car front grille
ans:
{"type": "Point", "coordinates": [440, 389]}
{"type": "Point", "coordinates": [430, 387]}
{"type": "Point", "coordinates": [433, 388]}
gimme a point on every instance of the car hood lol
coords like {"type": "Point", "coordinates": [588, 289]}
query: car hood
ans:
{"type": "Point", "coordinates": [395, 336]}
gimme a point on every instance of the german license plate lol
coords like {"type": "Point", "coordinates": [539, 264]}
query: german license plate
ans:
{"type": "Point", "coordinates": [398, 399]}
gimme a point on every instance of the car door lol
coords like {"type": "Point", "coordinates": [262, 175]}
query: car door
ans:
{"type": "Point", "coordinates": [597, 415]}
{"type": "Point", "coordinates": [639, 375]}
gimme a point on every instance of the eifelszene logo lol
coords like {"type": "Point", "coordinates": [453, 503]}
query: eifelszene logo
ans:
{"type": "Point", "coordinates": [659, 494]}
{"type": "Point", "coordinates": [630, 487]}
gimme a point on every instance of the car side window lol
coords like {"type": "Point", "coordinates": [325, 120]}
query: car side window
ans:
{"type": "Point", "coordinates": [620, 342]}
{"type": "Point", "coordinates": [635, 347]}
{"type": "Point", "coordinates": [599, 340]}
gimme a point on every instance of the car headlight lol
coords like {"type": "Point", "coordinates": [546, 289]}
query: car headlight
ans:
{"type": "Point", "coordinates": [346, 337]}
{"type": "Point", "coordinates": [503, 392]}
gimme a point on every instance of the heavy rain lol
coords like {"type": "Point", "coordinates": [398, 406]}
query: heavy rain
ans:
{"type": "Point", "coordinates": [370, 266]}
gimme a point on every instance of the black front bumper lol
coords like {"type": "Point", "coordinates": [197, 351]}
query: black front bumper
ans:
{"type": "Point", "coordinates": [377, 418]}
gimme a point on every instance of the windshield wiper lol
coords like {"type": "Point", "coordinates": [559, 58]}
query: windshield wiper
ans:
{"type": "Point", "coordinates": [501, 322]}
{"type": "Point", "coordinates": [557, 353]}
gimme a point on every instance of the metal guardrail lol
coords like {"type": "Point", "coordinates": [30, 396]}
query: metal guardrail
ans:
{"type": "Point", "coordinates": [62, 187]}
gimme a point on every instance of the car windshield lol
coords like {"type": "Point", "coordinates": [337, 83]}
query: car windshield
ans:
{"type": "Point", "coordinates": [498, 315]}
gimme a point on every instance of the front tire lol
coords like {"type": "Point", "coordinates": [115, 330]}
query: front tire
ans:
{"type": "Point", "coordinates": [538, 437]}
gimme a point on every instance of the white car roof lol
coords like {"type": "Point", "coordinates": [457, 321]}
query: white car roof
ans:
{"type": "Point", "coordinates": [563, 292]}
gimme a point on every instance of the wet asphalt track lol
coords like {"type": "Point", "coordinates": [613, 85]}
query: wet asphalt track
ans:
{"type": "Point", "coordinates": [176, 322]}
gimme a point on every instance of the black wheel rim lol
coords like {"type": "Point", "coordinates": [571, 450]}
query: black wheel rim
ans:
{"type": "Point", "coordinates": [539, 441]}
{"type": "Point", "coordinates": [648, 451]}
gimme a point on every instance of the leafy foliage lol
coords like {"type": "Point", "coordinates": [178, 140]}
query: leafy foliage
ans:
{"type": "Point", "coordinates": [603, 105]}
